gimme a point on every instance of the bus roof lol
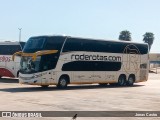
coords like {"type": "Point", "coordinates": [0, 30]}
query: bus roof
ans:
{"type": "Point", "coordinates": [10, 43]}
{"type": "Point", "coordinates": [121, 41]}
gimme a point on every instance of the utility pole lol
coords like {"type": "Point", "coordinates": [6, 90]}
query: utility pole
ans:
{"type": "Point", "coordinates": [20, 34]}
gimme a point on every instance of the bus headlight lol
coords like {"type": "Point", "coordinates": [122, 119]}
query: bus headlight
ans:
{"type": "Point", "coordinates": [36, 76]}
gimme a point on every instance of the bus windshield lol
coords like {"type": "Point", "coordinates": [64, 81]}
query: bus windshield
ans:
{"type": "Point", "coordinates": [27, 65]}
{"type": "Point", "coordinates": [34, 44]}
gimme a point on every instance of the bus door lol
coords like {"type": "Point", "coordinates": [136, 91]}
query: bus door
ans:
{"type": "Point", "coordinates": [47, 65]}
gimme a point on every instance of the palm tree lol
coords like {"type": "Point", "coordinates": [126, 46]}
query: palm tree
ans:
{"type": "Point", "coordinates": [148, 38]}
{"type": "Point", "coordinates": [125, 35]}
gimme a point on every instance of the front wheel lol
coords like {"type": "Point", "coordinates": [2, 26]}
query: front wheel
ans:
{"type": "Point", "coordinates": [63, 82]}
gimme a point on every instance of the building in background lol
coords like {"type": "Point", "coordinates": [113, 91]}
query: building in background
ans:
{"type": "Point", "coordinates": [154, 59]}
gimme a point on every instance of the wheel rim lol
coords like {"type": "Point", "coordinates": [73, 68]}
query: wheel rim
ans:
{"type": "Point", "coordinates": [63, 82]}
{"type": "Point", "coordinates": [130, 81]}
{"type": "Point", "coordinates": [121, 81]}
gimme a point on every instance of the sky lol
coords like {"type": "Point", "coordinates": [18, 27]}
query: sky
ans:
{"type": "Point", "coordinates": [102, 19]}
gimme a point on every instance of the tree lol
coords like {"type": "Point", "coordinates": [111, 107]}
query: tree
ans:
{"type": "Point", "coordinates": [125, 35]}
{"type": "Point", "coordinates": [148, 38]}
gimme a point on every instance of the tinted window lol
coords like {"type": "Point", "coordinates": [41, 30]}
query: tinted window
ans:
{"type": "Point", "coordinates": [95, 46]}
{"type": "Point", "coordinates": [22, 44]}
{"type": "Point", "coordinates": [48, 62]}
{"type": "Point", "coordinates": [43, 43]}
{"type": "Point", "coordinates": [143, 49]}
{"type": "Point", "coordinates": [91, 66]}
{"type": "Point", "coordinates": [54, 43]}
{"type": "Point", "coordinates": [34, 44]}
{"type": "Point", "coordinates": [9, 49]}
{"type": "Point", "coordinates": [73, 44]}
{"type": "Point", "coordinates": [77, 44]}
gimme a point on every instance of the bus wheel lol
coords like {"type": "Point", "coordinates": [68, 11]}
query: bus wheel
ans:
{"type": "Point", "coordinates": [131, 80]}
{"type": "Point", "coordinates": [18, 74]}
{"type": "Point", "coordinates": [121, 80]}
{"type": "Point", "coordinates": [63, 82]}
{"type": "Point", "coordinates": [44, 86]}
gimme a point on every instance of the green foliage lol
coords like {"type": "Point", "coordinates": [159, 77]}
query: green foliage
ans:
{"type": "Point", "coordinates": [125, 35]}
{"type": "Point", "coordinates": [148, 38]}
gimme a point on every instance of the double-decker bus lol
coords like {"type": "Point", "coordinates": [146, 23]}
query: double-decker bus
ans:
{"type": "Point", "coordinates": [9, 68]}
{"type": "Point", "coordinates": [63, 60]}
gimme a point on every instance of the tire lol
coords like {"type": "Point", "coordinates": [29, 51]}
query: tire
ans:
{"type": "Point", "coordinates": [63, 82]}
{"type": "Point", "coordinates": [17, 74]}
{"type": "Point", "coordinates": [130, 81]}
{"type": "Point", "coordinates": [122, 80]}
{"type": "Point", "coordinates": [44, 86]}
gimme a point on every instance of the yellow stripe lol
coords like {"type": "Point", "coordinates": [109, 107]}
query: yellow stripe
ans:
{"type": "Point", "coordinates": [17, 53]}
{"type": "Point", "coordinates": [34, 55]}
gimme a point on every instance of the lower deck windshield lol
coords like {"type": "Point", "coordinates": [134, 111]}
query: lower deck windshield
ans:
{"type": "Point", "coordinates": [42, 63]}
{"type": "Point", "coordinates": [27, 65]}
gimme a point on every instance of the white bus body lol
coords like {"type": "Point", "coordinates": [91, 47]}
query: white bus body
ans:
{"type": "Point", "coordinates": [61, 60]}
{"type": "Point", "coordinates": [9, 68]}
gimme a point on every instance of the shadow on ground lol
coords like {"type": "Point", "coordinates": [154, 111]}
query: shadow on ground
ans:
{"type": "Point", "coordinates": [8, 80]}
{"type": "Point", "coordinates": [54, 88]}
